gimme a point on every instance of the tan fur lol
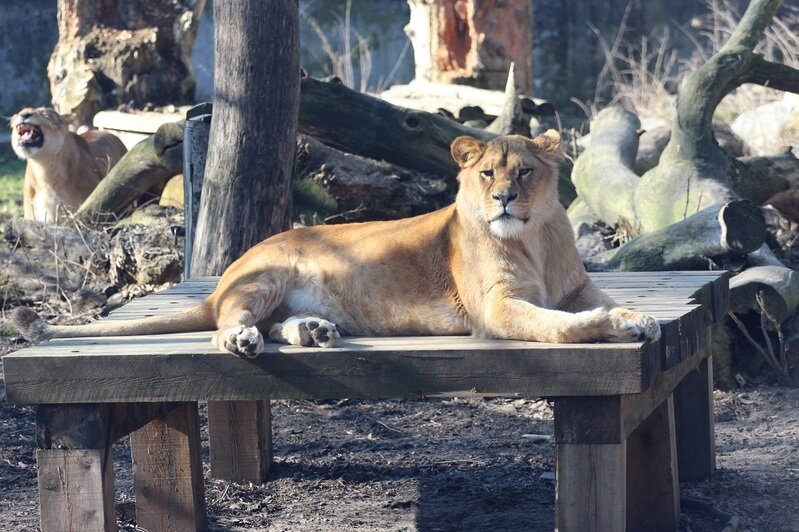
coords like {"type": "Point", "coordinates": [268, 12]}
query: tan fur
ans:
{"type": "Point", "coordinates": [463, 269]}
{"type": "Point", "coordinates": [66, 168]}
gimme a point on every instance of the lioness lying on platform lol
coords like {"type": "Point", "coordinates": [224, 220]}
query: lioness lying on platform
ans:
{"type": "Point", "coordinates": [498, 263]}
{"type": "Point", "coordinates": [63, 167]}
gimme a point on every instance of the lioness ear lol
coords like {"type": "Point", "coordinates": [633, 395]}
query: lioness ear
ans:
{"type": "Point", "coordinates": [466, 150]}
{"type": "Point", "coordinates": [549, 142]}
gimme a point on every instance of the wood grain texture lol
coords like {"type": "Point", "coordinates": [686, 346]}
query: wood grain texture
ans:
{"type": "Point", "coordinates": [653, 492]}
{"type": "Point", "coordinates": [590, 487]}
{"type": "Point", "coordinates": [240, 437]}
{"type": "Point", "coordinates": [696, 441]}
{"type": "Point", "coordinates": [76, 490]}
{"type": "Point", "coordinates": [167, 472]}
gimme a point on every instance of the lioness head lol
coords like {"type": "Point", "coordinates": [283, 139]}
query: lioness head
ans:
{"type": "Point", "coordinates": [507, 183]}
{"type": "Point", "coordinates": [37, 132]}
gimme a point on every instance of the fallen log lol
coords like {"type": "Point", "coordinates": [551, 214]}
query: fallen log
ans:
{"type": "Point", "coordinates": [696, 243]}
{"type": "Point", "coordinates": [368, 126]}
{"type": "Point", "coordinates": [606, 166]}
{"type": "Point", "coordinates": [777, 287]}
{"type": "Point", "coordinates": [146, 167]}
{"type": "Point", "coordinates": [341, 187]}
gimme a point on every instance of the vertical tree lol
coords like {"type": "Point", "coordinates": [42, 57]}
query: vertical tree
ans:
{"type": "Point", "coordinates": [246, 191]}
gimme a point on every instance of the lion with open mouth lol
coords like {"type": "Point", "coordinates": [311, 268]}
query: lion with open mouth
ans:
{"type": "Point", "coordinates": [63, 167]}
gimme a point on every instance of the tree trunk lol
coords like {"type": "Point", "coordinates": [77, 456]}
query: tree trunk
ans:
{"type": "Point", "coordinates": [113, 52]}
{"type": "Point", "coordinates": [472, 42]}
{"type": "Point", "coordinates": [246, 193]}
{"type": "Point", "coordinates": [147, 166]}
{"type": "Point", "coordinates": [694, 172]}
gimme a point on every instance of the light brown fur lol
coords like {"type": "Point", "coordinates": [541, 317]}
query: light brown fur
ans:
{"type": "Point", "coordinates": [66, 168]}
{"type": "Point", "coordinates": [459, 270]}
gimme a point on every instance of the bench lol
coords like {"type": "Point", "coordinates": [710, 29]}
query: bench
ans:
{"type": "Point", "coordinates": [631, 420]}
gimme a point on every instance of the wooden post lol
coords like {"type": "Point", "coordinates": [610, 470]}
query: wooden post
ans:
{"type": "Point", "coordinates": [76, 473]}
{"type": "Point", "coordinates": [240, 439]}
{"type": "Point", "coordinates": [167, 472]}
{"type": "Point", "coordinates": [195, 150]}
{"type": "Point", "coordinates": [653, 493]}
{"type": "Point", "coordinates": [696, 440]}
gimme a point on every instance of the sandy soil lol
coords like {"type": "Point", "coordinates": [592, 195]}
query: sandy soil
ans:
{"type": "Point", "coordinates": [454, 464]}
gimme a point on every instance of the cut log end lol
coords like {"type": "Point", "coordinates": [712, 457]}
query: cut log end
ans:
{"type": "Point", "coordinates": [743, 226]}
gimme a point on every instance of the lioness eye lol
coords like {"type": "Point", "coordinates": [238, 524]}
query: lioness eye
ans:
{"type": "Point", "coordinates": [488, 174]}
{"type": "Point", "coordinates": [525, 172]}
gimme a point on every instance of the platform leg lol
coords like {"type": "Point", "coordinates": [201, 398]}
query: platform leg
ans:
{"type": "Point", "coordinates": [653, 492]}
{"type": "Point", "coordinates": [693, 407]}
{"type": "Point", "coordinates": [167, 472]}
{"type": "Point", "coordinates": [75, 469]}
{"type": "Point", "coordinates": [240, 434]}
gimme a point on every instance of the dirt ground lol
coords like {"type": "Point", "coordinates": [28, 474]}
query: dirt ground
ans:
{"type": "Point", "coordinates": [440, 465]}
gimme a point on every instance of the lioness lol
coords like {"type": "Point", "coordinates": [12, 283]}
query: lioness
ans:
{"type": "Point", "coordinates": [63, 167]}
{"type": "Point", "coordinates": [498, 263]}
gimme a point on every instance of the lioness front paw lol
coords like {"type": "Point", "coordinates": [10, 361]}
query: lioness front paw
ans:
{"type": "Point", "coordinates": [306, 331]}
{"type": "Point", "coordinates": [242, 341]}
{"type": "Point", "coordinates": [630, 326]}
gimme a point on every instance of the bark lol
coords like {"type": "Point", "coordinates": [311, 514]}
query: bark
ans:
{"type": "Point", "coordinates": [368, 126]}
{"type": "Point", "coordinates": [778, 288]}
{"type": "Point", "coordinates": [346, 187]}
{"type": "Point", "coordinates": [694, 172]}
{"type": "Point", "coordinates": [763, 177]}
{"type": "Point", "coordinates": [112, 52]}
{"type": "Point", "coordinates": [146, 167]}
{"type": "Point", "coordinates": [607, 166]}
{"type": "Point", "coordinates": [734, 228]}
{"type": "Point", "coordinates": [472, 42]}
{"type": "Point", "coordinates": [511, 120]}
{"type": "Point", "coordinates": [246, 190]}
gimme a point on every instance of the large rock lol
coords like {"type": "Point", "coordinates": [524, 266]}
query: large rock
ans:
{"type": "Point", "coordinates": [770, 128]}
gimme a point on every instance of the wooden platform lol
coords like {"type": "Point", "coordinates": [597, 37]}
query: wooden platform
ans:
{"type": "Point", "coordinates": [609, 401]}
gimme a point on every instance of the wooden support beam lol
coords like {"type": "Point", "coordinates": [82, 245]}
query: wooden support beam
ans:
{"type": "Point", "coordinates": [167, 472]}
{"type": "Point", "coordinates": [653, 493]}
{"type": "Point", "coordinates": [75, 469]}
{"type": "Point", "coordinates": [693, 403]}
{"type": "Point", "coordinates": [590, 487]}
{"type": "Point", "coordinates": [240, 434]}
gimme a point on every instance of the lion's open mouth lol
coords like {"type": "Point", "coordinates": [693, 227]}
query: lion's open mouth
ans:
{"type": "Point", "coordinates": [30, 136]}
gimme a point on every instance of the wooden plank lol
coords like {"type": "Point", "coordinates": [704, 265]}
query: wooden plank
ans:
{"type": "Point", "coordinates": [696, 442]}
{"type": "Point", "coordinates": [167, 471]}
{"type": "Point", "coordinates": [653, 492]}
{"type": "Point", "coordinates": [76, 490]}
{"type": "Point", "coordinates": [127, 372]}
{"type": "Point", "coordinates": [590, 487]}
{"type": "Point", "coordinates": [240, 437]}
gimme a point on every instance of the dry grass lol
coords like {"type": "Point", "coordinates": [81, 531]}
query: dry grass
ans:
{"type": "Point", "coordinates": [644, 76]}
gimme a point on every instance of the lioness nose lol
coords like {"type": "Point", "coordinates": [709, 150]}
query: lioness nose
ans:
{"type": "Point", "coordinates": [504, 197]}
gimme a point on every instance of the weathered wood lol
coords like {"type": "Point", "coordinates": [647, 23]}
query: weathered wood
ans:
{"type": "Point", "coordinates": [195, 150]}
{"type": "Point", "coordinates": [607, 165]}
{"type": "Point", "coordinates": [371, 127]}
{"type": "Point", "coordinates": [736, 228]}
{"type": "Point", "coordinates": [76, 490]}
{"type": "Point", "coordinates": [146, 167]}
{"type": "Point", "coordinates": [122, 369]}
{"type": "Point", "coordinates": [777, 286]}
{"type": "Point", "coordinates": [653, 492]}
{"type": "Point", "coordinates": [75, 469]}
{"type": "Point", "coordinates": [693, 406]}
{"type": "Point", "coordinates": [240, 437]}
{"type": "Point", "coordinates": [511, 120]}
{"type": "Point", "coordinates": [167, 472]}
{"type": "Point", "coordinates": [327, 181]}
{"type": "Point", "coordinates": [590, 487]}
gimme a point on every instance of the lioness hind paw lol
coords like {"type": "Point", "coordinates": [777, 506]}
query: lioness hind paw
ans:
{"type": "Point", "coordinates": [306, 331]}
{"type": "Point", "coordinates": [241, 341]}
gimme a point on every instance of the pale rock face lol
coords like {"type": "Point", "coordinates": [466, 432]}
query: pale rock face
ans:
{"type": "Point", "coordinates": [770, 128]}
